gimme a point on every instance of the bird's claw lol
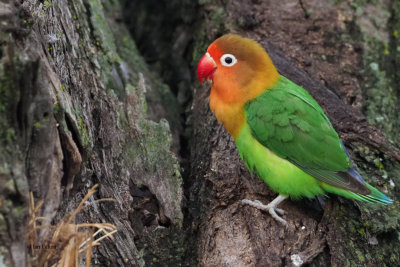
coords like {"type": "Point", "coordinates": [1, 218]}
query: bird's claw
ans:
{"type": "Point", "coordinates": [280, 211]}
{"type": "Point", "coordinates": [271, 208]}
{"type": "Point", "coordinates": [277, 217]}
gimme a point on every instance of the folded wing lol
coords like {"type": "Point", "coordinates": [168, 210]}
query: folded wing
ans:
{"type": "Point", "coordinates": [289, 122]}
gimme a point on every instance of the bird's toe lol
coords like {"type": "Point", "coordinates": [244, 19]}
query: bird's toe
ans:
{"type": "Point", "coordinates": [280, 211]}
{"type": "Point", "coordinates": [272, 211]}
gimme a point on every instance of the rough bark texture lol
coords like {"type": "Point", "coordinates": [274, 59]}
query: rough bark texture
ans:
{"type": "Point", "coordinates": [73, 114]}
{"type": "Point", "coordinates": [79, 105]}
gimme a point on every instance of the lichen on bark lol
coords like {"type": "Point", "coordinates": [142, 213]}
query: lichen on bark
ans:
{"type": "Point", "coordinates": [72, 74]}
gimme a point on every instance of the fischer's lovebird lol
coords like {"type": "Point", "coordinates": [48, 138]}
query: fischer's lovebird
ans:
{"type": "Point", "coordinates": [280, 131]}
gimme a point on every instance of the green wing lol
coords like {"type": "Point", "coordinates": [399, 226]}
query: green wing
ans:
{"type": "Point", "coordinates": [289, 122]}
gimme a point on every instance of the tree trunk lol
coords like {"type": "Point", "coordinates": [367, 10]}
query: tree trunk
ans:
{"type": "Point", "coordinates": [74, 114]}
{"type": "Point", "coordinates": [81, 104]}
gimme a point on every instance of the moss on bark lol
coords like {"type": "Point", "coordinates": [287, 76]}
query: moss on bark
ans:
{"type": "Point", "coordinates": [73, 87]}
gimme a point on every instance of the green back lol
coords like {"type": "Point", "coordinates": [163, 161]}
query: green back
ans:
{"type": "Point", "coordinates": [289, 122]}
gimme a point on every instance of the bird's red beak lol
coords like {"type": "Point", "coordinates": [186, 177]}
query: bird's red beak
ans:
{"type": "Point", "coordinates": [206, 68]}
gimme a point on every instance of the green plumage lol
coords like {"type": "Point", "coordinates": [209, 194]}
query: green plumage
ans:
{"type": "Point", "coordinates": [293, 147]}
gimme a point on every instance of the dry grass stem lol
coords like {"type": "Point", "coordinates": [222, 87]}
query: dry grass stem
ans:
{"type": "Point", "coordinates": [65, 244]}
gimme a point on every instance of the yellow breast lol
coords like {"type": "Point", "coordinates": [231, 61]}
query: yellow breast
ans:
{"type": "Point", "coordinates": [231, 115]}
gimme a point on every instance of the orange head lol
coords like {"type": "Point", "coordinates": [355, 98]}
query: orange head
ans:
{"type": "Point", "coordinates": [240, 71]}
{"type": "Point", "coordinates": [239, 68]}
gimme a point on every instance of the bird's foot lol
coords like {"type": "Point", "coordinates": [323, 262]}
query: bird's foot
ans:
{"type": "Point", "coordinates": [271, 208]}
{"type": "Point", "coordinates": [261, 206]}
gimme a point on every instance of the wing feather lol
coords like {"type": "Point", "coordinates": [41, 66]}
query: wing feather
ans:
{"type": "Point", "coordinates": [289, 122]}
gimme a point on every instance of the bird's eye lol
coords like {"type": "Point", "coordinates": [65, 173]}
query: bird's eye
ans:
{"type": "Point", "coordinates": [228, 60]}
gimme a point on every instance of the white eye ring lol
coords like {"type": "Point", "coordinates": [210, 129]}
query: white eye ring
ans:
{"type": "Point", "coordinates": [228, 60]}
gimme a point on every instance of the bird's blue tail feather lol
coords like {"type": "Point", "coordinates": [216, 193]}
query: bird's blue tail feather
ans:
{"type": "Point", "coordinates": [376, 196]}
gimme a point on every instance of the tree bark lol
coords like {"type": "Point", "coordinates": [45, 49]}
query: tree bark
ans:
{"type": "Point", "coordinates": [80, 105]}
{"type": "Point", "coordinates": [72, 89]}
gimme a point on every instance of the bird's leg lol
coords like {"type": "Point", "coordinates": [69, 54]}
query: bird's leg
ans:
{"type": "Point", "coordinates": [271, 207]}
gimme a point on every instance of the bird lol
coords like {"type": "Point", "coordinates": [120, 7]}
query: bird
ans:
{"type": "Point", "coordinates": [280, 131]}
